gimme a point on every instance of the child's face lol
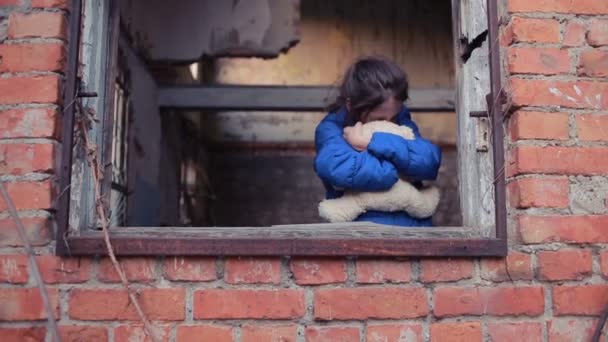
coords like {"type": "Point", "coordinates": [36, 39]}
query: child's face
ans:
{"type": "Point", "coordinates": [386, 111]}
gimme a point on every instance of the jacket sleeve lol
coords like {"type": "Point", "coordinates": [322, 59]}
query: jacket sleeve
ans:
{"type": "Point", "coordinates": [338, 164]}
{"type": "Point", "coordinates": [417, 159]}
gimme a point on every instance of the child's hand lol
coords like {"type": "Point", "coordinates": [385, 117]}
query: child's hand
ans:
{"type": "Point", "coordinates": [357, 137]}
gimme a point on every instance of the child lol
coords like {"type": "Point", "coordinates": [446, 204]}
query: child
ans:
{"type": "Point", "coordinates": [373, 89]}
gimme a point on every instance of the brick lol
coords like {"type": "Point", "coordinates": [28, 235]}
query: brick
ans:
{"type": "Point", "coordinates": [37, 25]}
{"type": "Point", "coordinates": [235, 304]}
{"type": "Point", "coordinates": [534, 30]}
{"type": "Point", "coordinates": [20, 159]}
{"type": "Point", "coordinates": [574, 34]}
{"type": "Point", "coordinates": [557, 93]}
{"type": "Point", "coordinates": [564, 264]}
{"type": "Point", "coordinates": [456, 332]}
{"type": "Point", "coordinates": [25, 304]}
{"type": "Point", "coordinates": [30, 89]}
{"type": "Point", "coordinates": [507, 36]}
{"type": "Point", "coordinates": [136, 270]}
{"type": "Point", "coordinates": [539, 192]}
{"type": "Point", "coordinates": [29, 334]}
{"type": "Point", "coordinates": [271, 333]}
{"type": "Point", "coordinates": [14, 269]}
{"type": "Point", "coordinates": [131, 333]}
{"type": "Point", "coordinates": [539, 125]}
{"type": "Point", "coordinates": [252, 271]}
{"type": "Point", "coordinates": [395, 333]}
{"type": "Point", "coordinates": [318, 271]}
{"type": "Point", "coordinates": [516, 266]}
{"type": "Point", "coordinates": [584, 161]}
{"type": "Point", "coordinates": [592, 127]}
{"type": "Point", "coordinates": [332, 334]}
{"type": "Point", "coordinates": [193, 333]}
{"type": "Point", "coordinates": [114, 304]}
{"type": "Point", "coordinates": [579, 300]}
{"type": "Point", "coordinates": [559, 6]}
{"type": "Point", "coordinates": [29, 195]}
{"type": "Point", "coordinates": [533, 60]}
{"type": "Point", "coordinates": [522, 332]}
{"type": "Point", "coordinates": [496, 301]}
{"type": "Point", "coordinates": [32, 57]}
{"type": "Point", "coordinates": [598, 32]}
{"type": "Point", "coordinates": [594, 63]}
{"type": "Point", "coordinates": [189, 269]}
{"type": "Point", "coordinates": [604, 264]}
{"type": "Point", "coordinates": [211, 332]}
{"type": "Point", "coordinates": [436, 270]}
{"type": "Point", "coordinates": [370, 302]}
{"type": "Point", "coordinates": [6, 3]}
{"type": "Point", "coordinates": [81, 333]}
{"type": "Point", "coordinates": [51, 4]}
{"type": "Point", "coordinates": [36, 231]}
{"type": "Point", "coordinates": [29, 123]}
{"type": "Point", "coordinates": [56, 270]}
{"type": "Point", "coordinates": [570, 330]}
{"type": "Point", "coordinates": [383, 271]}
{"type": "Point", "coordinates": [572, 229]}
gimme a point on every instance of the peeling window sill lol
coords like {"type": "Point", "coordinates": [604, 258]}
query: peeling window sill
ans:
{"type": "Point", "coordinates": [350, 239]}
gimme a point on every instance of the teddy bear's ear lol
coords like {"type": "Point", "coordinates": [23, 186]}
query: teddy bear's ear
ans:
{"type": "Point", "coordinates": [407, 133]}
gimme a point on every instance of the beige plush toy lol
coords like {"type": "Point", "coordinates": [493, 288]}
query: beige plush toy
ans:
{"type": "Point", "coordinates": [402, 196]}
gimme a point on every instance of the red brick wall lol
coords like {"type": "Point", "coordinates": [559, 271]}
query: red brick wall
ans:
{"type": "Point", "coordinates": [551, 287]}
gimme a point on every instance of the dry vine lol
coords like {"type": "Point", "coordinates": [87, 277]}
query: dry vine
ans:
{"type": "Point", "coordinates": [52, 324]}
{"type": "Point", "coordinates": [597, 334]}
{"type": "Point", "coordinates": [85, 119]}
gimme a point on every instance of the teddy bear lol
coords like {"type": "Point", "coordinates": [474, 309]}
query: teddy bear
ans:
{"type": "Point", "coordinates": [402, 196]}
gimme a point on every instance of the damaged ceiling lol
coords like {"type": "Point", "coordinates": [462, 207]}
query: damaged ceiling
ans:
{"type": "Point", "coordinates": [186, 30]}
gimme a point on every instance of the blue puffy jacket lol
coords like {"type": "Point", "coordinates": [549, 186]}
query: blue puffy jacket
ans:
{"type": "Point", "coordinates": [341, 167]}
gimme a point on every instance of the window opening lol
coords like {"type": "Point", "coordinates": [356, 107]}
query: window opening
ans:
{"type": "Point", "coordinates": [214, 121]}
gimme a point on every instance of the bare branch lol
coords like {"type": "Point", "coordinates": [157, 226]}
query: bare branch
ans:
{"type": "Point", "coordinates": [32, 259]}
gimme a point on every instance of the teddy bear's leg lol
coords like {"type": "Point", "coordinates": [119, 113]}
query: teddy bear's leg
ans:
{"type": "Point", "coordinates": [397, 198]}
{"type": "Point", "coordinates": [403, 196]}
{"type": "Point", "coordinates": [343, 209]}
{"type": "Point", "coordinates": [425, 203]}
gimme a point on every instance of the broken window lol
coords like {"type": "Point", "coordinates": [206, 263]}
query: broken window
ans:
{"type": "Point", "coordinates": [214, 106]}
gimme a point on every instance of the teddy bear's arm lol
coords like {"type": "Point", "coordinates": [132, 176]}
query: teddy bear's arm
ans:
{"type": "Point", "coordinates": [389, 127]}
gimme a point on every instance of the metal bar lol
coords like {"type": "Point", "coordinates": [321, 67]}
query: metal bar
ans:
{"type": "Point", "coordinates": [69, 108]}
{"type": "Point", "coordinates": [284, 98]}
{"type": "Point", "coordinates": [88, 94]}
{"type": "Point", "coordinates": [479, 114]}
{"type": "Point", "coordinates": [497, 121]}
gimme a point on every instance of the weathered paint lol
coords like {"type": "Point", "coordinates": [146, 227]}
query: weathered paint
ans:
{"type": "Point", "coordinates": [94, 51]}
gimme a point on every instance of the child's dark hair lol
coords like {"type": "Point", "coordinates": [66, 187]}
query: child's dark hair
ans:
{"type": "Point", "coordinates": [368, 83]}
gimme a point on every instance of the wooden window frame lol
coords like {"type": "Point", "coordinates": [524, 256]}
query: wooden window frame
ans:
{"type": "Point", "coordinates": [356, 239]}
